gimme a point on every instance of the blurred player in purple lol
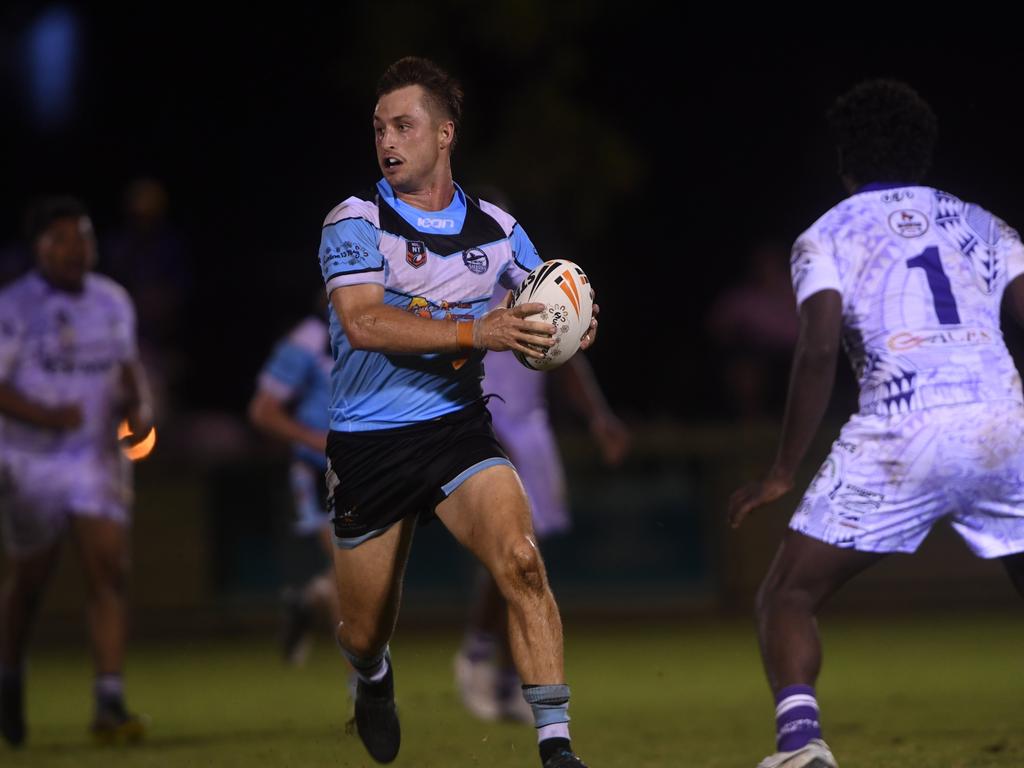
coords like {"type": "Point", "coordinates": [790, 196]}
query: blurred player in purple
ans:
{"type": "Point", "coordinates": [484, 671]}
{"type": "Point", "coordinates": [910, 280]}
{"type": "Point", "coordinates": [69, 374]}
{"type": "Point", "coordinates": [291, 402]}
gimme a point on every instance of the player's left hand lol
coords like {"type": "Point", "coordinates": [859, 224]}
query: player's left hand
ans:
{"type": "Point", "coordinates": [753, 495]}
{"type": "Point", "coordinates": [591, 335]}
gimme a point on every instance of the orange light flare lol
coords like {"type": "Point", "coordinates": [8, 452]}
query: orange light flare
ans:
{"type": "Point", "coordinates": [141, 449]}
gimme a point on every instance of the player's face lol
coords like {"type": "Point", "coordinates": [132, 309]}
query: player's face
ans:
{"type": "Point", "coordinates": [66, 251]}
{"type": "Point", "coordinates": [410, 138]}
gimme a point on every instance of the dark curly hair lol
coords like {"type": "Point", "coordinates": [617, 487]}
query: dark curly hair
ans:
{"type": "Point", "coordinates": [46, 211]}
{"type": "Point", "coordinates": [884, 131]}
{"type": "Point", "coordinates": [443, 90]}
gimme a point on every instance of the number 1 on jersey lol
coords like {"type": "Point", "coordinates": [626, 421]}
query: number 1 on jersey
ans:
{"type": "Point", "coordinates": [938, 282]}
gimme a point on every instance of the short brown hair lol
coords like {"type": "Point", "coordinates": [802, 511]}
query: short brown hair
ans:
{"type": "Point", "coordinates": [443, 90]}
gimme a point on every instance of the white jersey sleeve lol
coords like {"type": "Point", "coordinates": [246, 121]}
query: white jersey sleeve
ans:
{"type": "Point", "coordinates": [813, 265]}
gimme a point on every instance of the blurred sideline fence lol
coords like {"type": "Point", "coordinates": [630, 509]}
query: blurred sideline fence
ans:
{"type": "Point", "coordinates": [212, 545]}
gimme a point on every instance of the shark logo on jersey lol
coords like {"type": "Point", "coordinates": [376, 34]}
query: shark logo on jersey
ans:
{"type": "Point", "coordinates": [475, 260]}
{"type": "Point", "coordinates": [415, 253]}
{"type": "Point", "coordinates": [908, 222]}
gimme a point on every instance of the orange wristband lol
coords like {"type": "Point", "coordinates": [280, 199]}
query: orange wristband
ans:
{"type": "Point", "coordinates": [464, 334]}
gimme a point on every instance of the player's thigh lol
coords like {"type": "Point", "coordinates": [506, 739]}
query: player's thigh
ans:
{"type": "Point", "coordinates": [370, 575]}
{"type": "Point", "coordinates": [33, 513]}
{"type": "Point", "coordinates": [489, 514]}
{"type": "Point", "coordinates": [534, 452]}
{"type": "Point", "coordinates": [988, 439]}
{"type": "Point", "coordinates": [810, 570]}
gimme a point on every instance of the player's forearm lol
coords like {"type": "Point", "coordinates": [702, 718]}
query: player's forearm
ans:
{"type": "Point", "coordinates": [271, 417]}
{"type": "Point", "coordinates": [14, 405]}
{"type": "Point", "coordinates": [387, 329]}
{"type": "Point", "coordinates": [138, 397]}
{"type": "Point", "coordinates": [810, 389]}
{"type": "Point", "coordinates": [582, 389]}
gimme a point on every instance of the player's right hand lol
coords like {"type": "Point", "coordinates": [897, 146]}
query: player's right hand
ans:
{"type": "Point", "coordinates": [64, 417]}
{"type": "Point", "coordinates": [757, 494]}
{"type": "Point", "coordinates": [507, 329]}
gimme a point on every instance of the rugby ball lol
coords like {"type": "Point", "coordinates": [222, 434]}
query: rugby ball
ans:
{"type": "Point", "coordinates": [564, 290]}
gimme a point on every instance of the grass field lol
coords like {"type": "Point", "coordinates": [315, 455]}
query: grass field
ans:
{"type": "Point", "coordinates": [927, 692]}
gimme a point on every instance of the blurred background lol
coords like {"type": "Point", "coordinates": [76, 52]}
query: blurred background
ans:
{"type": "Point", "coordinates": [675, 164]}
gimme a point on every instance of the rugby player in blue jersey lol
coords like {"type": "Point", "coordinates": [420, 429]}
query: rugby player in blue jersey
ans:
{"type": "Point", "coordinates": [290, 404]}
{"type": "Point", "coordinates": [410, 266]}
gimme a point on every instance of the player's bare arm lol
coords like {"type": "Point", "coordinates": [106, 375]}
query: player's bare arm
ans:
{"type": "Point", "coordinates": [810, 387]}
{"type": "Point", "coordinates": [370, 324]}
{"type": "Point", "coordinates": [138, 399]}
{"type": "Point", "coordinates": [578, 382]}
{"type": "Point", "coordinates": [271, 415]}
{"type": "Point", "coordinates": [16, 406]}
{"type": "Point", "coordinates": [1015, 299]}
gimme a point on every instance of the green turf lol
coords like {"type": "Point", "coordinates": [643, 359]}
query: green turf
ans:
{"type": "Point", "coordinates": [930, 692]}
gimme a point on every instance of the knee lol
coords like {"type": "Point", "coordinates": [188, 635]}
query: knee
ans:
{"type": "Point", "coordinates": [361, 639]}
{"type": "Point", "coordinates": [522, 570]}
{"type": "Point", "coordinates": [363, 635]}
{"type": "Point", "coordinates": [109, 577]}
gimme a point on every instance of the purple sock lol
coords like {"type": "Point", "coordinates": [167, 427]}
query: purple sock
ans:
{"type": "Point", "coordinates": [796, 717]}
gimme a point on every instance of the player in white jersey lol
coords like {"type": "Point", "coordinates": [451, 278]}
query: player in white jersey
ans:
{"type": "Point", "coordinates": [911, 280]}
{"type": "Point", "coordinates": [484, 673]}
{"type": "Point", "coordinates": [69, 373]}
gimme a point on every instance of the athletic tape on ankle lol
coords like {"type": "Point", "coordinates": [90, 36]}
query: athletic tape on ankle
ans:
{"type": "Point", "coordinates": [363, 664]}
{"type": "Point", "coordinates": [550, 703]}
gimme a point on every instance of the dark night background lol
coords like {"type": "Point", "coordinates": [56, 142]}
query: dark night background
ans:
{"type": "Point", "coordinates": [654, 160]}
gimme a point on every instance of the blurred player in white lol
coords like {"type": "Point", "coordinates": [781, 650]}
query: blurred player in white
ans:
{"type": "Point", "coordinates": [291, 403]}
{"type": "Point", "coordinates": [484, 671]}
{"type": "Point", "coordinates": [69, 373]}
{"type": "Point", "coordinates": [910, 279]}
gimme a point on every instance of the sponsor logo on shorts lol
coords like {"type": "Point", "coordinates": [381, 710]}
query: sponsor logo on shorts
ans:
{"type": "Point", "coordinates": [908, 223]}
{"type": "Point", "coordinates": [476, 261]}
{"type": "Point", "coordinates": [858, 500]}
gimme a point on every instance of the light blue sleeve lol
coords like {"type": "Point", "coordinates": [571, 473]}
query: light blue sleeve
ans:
{"type": "Point", "coordinates": [349, 254]}
{"type": "Point", "coordinates": [285, 372]}
{"type": "Point", "coordinates": [524, 258]}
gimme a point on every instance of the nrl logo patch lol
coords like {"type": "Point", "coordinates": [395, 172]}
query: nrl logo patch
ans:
{"type": "Point", "coordinates": [415, 253]}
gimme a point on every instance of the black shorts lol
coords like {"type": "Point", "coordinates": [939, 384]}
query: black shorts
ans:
{"type": "Point", "coordinates": [379, 477]}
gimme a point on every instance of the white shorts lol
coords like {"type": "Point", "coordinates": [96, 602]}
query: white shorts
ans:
{"type": "Point", "coordinates": [39, 494]}
{"type": "Point", "coordinates": [889, 479]}
{"type": "Point", "coordinates": [531, 445]}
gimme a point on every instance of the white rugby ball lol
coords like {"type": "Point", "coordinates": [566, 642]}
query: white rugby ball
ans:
{"type": "Point", "coordinates": [564, 290]}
